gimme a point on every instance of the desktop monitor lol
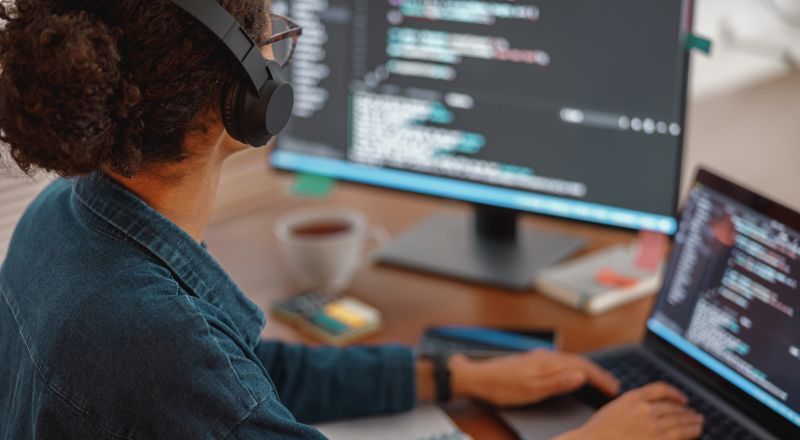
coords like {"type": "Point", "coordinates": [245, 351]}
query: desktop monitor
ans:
{"type": "Point", "coordinates": [565, 108]}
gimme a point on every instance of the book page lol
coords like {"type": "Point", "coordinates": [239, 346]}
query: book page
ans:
{"type": "Point", "coordinates": [426, 422]}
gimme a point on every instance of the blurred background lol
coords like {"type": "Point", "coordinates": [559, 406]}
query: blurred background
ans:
{"type": "Point", "coordinates": [744, 112]}
{"type": "Point", "coordinates": [756, 40]}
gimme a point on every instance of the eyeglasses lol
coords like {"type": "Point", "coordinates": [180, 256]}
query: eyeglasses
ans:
{"type": "Point", "coordinates": [285, 34]}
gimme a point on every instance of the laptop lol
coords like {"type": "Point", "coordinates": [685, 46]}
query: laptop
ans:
{"type": "Point", "coordinates": [725, 328]}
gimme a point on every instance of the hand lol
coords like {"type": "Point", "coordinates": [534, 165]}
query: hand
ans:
{"type": "Point", "coordinates": [527, 378]}
{"type": "Point", "coordinates": [656, 411]}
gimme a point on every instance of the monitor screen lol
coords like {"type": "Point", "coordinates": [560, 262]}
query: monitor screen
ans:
{"type": "Point", "coordinates": [730, 298]}
{"type": "Point", "coordinates": [570, 108]}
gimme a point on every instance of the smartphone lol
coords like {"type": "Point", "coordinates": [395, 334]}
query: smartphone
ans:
{"type": "Point", "coordinates": [485, 342]}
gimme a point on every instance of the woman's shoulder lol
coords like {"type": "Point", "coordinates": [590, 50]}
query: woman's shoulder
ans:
{"type": "Point", "coordinates": [53, 251]}
{"type": "Point", "coordinates": [147, 360]}
{"type": "Point", "coordinates": [72, 287]}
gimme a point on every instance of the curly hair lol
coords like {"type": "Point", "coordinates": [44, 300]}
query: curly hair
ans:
{"type": "Point", "coordinates": [95, 85]}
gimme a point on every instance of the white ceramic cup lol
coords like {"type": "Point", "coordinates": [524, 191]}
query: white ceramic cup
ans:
{"type": "Point", "coordinates": [327, 260]}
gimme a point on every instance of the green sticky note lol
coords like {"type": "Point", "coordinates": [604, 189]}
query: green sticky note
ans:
{"type": "Point", "coordinates": [329, 324]}
{"type": "Point", "coordinates": [310, 185]}
{"type": "Point", "coordinates": [697, 42]}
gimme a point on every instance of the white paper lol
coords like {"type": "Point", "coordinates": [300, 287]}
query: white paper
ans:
{"type": "Point", "coordinates": [426, 422]}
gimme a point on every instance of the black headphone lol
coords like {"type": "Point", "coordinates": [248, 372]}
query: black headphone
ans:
{"type": "Point", "coordinates": [258, 107]}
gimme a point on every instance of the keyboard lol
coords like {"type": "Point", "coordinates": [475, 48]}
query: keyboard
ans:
{"type": "Point", "coordinates": [634, 371]}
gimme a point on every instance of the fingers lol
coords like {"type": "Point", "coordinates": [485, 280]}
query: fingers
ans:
{"type": "Point", "coordinates": [561, 382]}
{"type": "Point", "coordinates": [662, 391]}
{"type": "Point", "coordinates": [600, 378]}
{"type": "Point", "coordinates": [682, 426]}
{"type": "Point", "coordinates": [667, 409]}
{"type": "Point", "coordinates": [689, 432]}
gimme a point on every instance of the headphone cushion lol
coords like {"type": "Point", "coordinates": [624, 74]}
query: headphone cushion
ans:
{"type": "Point", "coordinates": [231, 111]}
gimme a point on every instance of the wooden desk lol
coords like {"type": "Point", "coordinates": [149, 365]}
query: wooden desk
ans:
{"type": "Point", "coordinates": [728, 132]}
{"type": "Point", "coordinates": [244, 244]}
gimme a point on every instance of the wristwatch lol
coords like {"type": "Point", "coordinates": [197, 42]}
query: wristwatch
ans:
{"type": "Point", "coordinates": [441, 375]}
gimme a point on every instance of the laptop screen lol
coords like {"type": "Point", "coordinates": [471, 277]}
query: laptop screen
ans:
{"type": "Point", "coordinates": [730, 298]}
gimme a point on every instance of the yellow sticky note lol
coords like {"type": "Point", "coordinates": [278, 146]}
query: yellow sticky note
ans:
{"type": "Point", "coordinates": [342, 314]}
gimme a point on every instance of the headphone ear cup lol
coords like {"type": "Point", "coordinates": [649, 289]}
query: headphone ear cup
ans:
{"type": "Point", "coordinates": [231, 116]}
{"type": "Point", "coordinates": [265, 115]}
{"type": "Point", "coordinates": [280, 107]}
{"type": "Point", "coordinates": [254, 119]}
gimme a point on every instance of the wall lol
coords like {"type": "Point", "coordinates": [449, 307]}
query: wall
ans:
{"type": "Point", "coordinates": [749, 42]}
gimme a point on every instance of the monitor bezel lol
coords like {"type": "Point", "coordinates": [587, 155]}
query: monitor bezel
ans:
{"type": "Point", "coordinates": [685, 28]}
{"type": "Point", "coordinates": [766, 417]}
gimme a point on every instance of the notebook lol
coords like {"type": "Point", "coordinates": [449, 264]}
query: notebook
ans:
{"type": "Point", "coordinates": [329, 316]}
{"type": "Point", "coordinates": [426, 422]}
{"type": "Point", "coordinates": [600, 281]}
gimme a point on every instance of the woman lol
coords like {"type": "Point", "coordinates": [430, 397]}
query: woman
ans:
{"type": "Point", "coordinates": [114, 320]}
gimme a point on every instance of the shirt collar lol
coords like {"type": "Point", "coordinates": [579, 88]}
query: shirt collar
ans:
{"type": "Point", "coordinates": [130, 219]}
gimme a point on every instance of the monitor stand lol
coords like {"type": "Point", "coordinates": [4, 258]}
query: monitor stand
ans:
{"type": "Point", "coordinates": [488, 249]}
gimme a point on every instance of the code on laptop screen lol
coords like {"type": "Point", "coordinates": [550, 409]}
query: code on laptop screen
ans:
{"type": "Point", "coordinates": [731, 298]}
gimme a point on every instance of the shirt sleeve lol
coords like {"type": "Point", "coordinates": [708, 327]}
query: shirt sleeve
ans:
{"type": "Point", "coordinates": [321, 384]}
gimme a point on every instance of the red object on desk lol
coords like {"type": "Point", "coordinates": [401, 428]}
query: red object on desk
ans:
{"type": "Point", "coordinates": [652, 249]}
{"type": "Point", "coordinates": [610, 278]}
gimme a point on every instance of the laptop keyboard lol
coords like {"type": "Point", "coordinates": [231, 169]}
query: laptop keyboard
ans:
{"type": "Point", "coordinates": [633, 370]}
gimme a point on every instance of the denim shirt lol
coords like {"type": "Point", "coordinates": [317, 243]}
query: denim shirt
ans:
{"type": "Point", "coordinates": [114, 323]}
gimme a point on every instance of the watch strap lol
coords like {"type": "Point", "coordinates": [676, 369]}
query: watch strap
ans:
{"type": "Point", "coordinates": [442, 377]}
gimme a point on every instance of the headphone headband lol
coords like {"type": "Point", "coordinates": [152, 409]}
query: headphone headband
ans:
{"type": "Point", "coordinates": [259, 107]}
{"type": "Point", "coordinates": [220, 22]}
